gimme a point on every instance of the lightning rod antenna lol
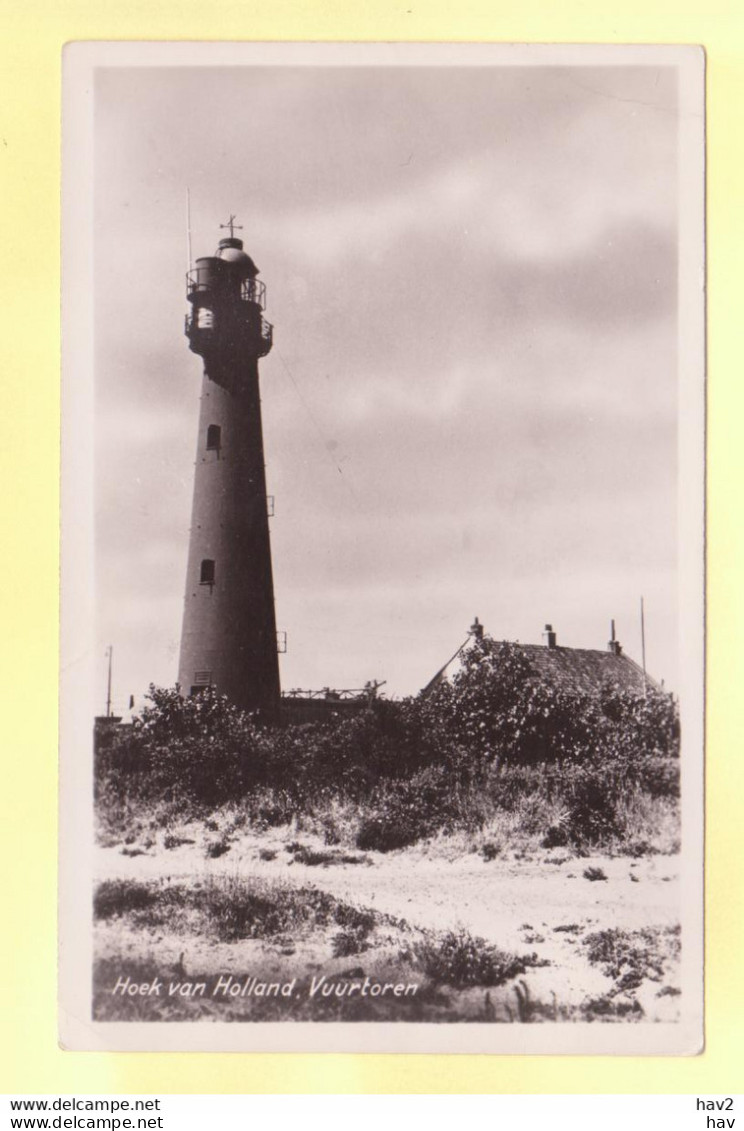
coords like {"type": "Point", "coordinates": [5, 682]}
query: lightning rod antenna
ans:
{"type": "Point", "coordinates": [188, 230]}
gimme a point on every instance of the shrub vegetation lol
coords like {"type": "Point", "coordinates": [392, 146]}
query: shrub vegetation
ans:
{"type": "Point", "coordinates": [492, 746]}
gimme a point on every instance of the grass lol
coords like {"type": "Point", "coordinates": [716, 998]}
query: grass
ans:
{"type": "Point", "coordinates": [447, 967]}
{"type": "Point", "coordinates": [224, 908]}
{"type": "Point", "coordinates": [314, 931]}
{"type": "Point", "coordinates": [303, 854]}
{"type": "Point", "coordinates": [519, 813]}
{"type": "Point", "coordinates": [231, 908]}
{"type": "Point", "coordinates": [170, 841]}
{"type": "Point", "coordinates": [122, 897]}
{"type": "Point", "coordinates": [632, 957]}
{"type": "Point", "coordinates": [351, 940]}
{"type": "Point", "coordinates": [608, 1008]}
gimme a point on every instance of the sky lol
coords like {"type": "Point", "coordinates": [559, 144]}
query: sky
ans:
{"type": "Point", "coordinates": [471, 403]}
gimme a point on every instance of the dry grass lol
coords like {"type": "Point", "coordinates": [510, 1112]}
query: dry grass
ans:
{"type": "Point", "coordinates": [448, 968]}
{"type": "Point", "coordinates": [225, 908]}
{"type": "Point", "coordinates": [521, 818]}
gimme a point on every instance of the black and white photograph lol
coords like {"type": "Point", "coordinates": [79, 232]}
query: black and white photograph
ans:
{"type": "Point", "coordinates": [382, 537]}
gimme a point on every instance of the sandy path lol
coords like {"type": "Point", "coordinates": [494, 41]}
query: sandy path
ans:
{"type": "Point", "coordinates": [494, 899]}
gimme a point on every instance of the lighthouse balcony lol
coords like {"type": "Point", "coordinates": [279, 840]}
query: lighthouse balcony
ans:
{"type": "Point", "coordinates": [253, 290]}
{"type": "Point", "coordinates": [201, 282]}
{"type": "Point", "coordinates": [199, 326]}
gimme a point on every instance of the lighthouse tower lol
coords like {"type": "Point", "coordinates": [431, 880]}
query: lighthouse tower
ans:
{"type": "Point", "coordinates": [229, 627]}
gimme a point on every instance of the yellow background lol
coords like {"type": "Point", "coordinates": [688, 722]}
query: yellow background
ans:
{"type": "Point", "coordinates": [32, 37]}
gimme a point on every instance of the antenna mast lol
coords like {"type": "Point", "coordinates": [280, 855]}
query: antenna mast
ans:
{"type": "Point", "coordinates": [188, 230]}
{"type": "Point", "coordinates": [643, 647]}
{"type": "Point", "coordinates": [108, 690]}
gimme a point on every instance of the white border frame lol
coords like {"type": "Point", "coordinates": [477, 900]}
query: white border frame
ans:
{"type": "Point", "coordinates": [77, 1031]}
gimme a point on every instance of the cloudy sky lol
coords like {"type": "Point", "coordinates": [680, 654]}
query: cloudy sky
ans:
{"type": "Point", "coordinates": [471, 403]}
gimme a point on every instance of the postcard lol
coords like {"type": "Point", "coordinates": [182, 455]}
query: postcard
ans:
{"type": "Point", "coordinates": [382, 532]}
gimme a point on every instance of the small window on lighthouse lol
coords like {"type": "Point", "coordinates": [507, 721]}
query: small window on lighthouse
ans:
{"type": "Point", "coordinates": [214, 434]}
{"type": "Point", "coordinates": [204, 318]}
{"type": "Point", "coordinates": [207, 572]}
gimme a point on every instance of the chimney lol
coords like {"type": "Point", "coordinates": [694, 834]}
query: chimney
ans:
{"type": "Point", "coordinates": [476, 629]}
{"type": "Point", "coordinates": [613, 645]}
{"type": "Point", "coordinates": [549, 638]}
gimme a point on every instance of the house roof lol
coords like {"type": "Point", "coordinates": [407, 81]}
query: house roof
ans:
{"type": "Point", "coordinates": [584, 670]}
{"type": "Point", "coordinates": [580, 670]}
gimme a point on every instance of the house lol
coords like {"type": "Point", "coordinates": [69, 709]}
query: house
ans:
{"type": "Point", "coordinates": [582, 671]}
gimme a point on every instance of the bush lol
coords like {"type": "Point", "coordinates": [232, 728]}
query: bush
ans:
{"type": "Point", "coordinates": [458, 958]}
{"type": "Point", "coordinates": [346, 943]}
{"type": "Point", "coordinates": [493, 740]}
{"type": "Point", "coordinates": [632, 957]}
{"type": "Point", "coordinates": [498, 709]}
{"type": "Point", "coordinates": [403, 812]}
{"type": "Point", "coordinates": [381, 832]}
{"type": "Point", "coordinates": [199, 748]}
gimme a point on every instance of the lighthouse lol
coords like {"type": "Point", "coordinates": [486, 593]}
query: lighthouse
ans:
{"type": "Point", "coordinates": [229, 636]}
